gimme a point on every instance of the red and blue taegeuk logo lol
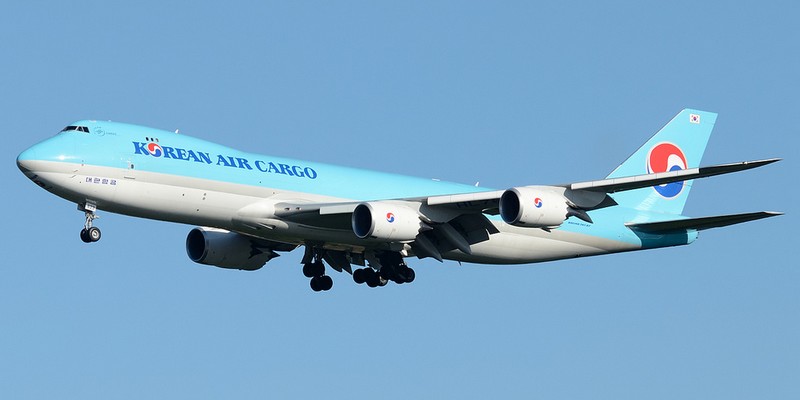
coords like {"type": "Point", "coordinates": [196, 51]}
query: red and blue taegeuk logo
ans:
{"type": "Point", "coordinates": [537, 202]}
{"type": "Point", "coordinates": [154, 149]}
{"type": "Point", "coordinates": [389, 217]}
{"type": "Point", "coordinates": [666, 157]}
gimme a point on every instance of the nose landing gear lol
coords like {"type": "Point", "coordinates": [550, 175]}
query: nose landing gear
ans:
{"type": "Point", "coordinates": [89, 233]}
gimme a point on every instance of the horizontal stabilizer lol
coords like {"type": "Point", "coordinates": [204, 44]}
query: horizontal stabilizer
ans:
{"type": "Point", "coordinates": [614, 185]}
{"type": "Point", "coordinates": [700, 223]}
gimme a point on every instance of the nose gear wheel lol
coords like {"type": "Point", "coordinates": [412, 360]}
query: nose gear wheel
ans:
{"type": "Point", "coordinates": [89, 233]}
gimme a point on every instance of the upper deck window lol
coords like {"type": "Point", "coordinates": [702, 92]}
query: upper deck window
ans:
{"type": "Point", "coordinates": [76, 128]}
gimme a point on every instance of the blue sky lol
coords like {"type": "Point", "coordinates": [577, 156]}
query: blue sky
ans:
{"type": "Point", "coordinates": [505, 94]}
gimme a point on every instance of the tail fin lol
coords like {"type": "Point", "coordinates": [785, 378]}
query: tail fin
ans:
{"type": "Point", "coordinates": [678, 145]}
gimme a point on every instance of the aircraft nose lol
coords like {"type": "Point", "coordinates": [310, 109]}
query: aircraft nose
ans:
{"type": "Point", "coordinates": [26, 158]}
{"type": "Point", "coordinates": [57, 149]}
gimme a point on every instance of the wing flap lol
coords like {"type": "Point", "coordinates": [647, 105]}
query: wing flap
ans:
{"type": "Point", "coordinates": [465, 199]}
{"type": "Point", "coordinates": [701, 223]}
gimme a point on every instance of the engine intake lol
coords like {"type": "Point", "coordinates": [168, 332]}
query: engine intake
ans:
{"type": "Point", "coordinates": [386, 221]}
{"type": "Point", "coordinates": [225, 249]}
{"type": "Point", "coordinates": [534, 207]}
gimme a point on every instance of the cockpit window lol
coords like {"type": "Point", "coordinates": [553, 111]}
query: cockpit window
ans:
{"type": "Point", "coordinates": [76, 128]}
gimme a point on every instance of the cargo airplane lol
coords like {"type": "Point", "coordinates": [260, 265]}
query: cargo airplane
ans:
{"type": "Point", "coordinates": [250, 207]}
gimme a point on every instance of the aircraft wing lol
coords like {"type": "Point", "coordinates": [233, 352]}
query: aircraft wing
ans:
{"type": "Point", "coordinates": [458, 220]}
{"type": "Point", "coordinates": [583, 195]}
{"type": "Point", "coordinates": [640, 181]}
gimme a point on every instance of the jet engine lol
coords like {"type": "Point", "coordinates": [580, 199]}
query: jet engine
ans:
{"type": "Point", "coordinates": [226, 249]}
{"type": "Point", "coordinates": [387, 221]}
{"type": "Point", "coordinates": [535, 207]}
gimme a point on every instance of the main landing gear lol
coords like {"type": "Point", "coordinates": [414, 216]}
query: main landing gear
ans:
{"type": "Point", "coordinates": [316, 271]}
{"type": "Point", "coordinates": [393, 268]}
{"type": "Point", "coordinates": [384, 267]}
{"type": "Point", "coordinates": [89, 233]}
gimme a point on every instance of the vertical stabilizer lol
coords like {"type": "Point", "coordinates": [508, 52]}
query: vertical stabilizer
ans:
{"type": "Point", "coordinates": [678, 145]}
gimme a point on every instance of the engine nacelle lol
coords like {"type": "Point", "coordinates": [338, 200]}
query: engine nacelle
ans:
{"type": "Point", "coordinates": [225, 249]}
{"type": "Point", "coordinates": [534, 207]}
{"type": "Point", "coordinates": [387, 221]}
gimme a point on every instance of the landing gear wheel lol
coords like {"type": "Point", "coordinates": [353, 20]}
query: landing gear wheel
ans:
{"type": "Point", "coordinates": [89, 233]}
{"type": "Point", "coordinates": [410, 275]}
{"type": "Point", "coordinates": [385, 273]}
{"type": "Point", "coordinates": [315, 284]}
{"type": "Point", "coordinates": [321, 283]}
{"type": "Point", "coordinates": [93, 234]}
{"type": "Point", "coordinates": [326, 282]}
{"type": "Point", "coordinates": [371, 277]}
{"type": "Point", "coordinates": [359, 276]}
{"type": "Point", "coordinates": [308, 270]}
{"type": "Point", "coordinates": [398, 276]}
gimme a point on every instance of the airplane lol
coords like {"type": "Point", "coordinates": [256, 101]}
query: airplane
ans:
{"type": "Point", "coordinates": [249, 207]}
